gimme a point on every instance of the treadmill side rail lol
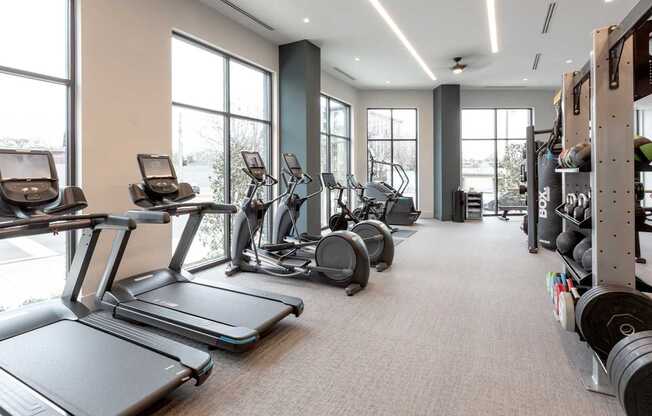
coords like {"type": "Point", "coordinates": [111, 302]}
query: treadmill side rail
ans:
{"type": "Point", "coordinates": [18, 399]}
{"type": "Point", "coordinates": [198, 361]}
{"type": "Point", "coordinates": [194, 327]}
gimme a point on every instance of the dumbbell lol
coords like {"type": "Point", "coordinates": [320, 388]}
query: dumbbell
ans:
{"type": "Point", "coordinates": [580, 209]}
{"type": "Point", "coordinates": [571, 204]}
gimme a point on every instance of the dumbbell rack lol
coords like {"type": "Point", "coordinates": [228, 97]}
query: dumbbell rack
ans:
{"type": "Point", "coordinates": [600, 109]}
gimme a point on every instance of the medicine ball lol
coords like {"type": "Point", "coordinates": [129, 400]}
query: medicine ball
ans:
{"type": "Point", "coordinates": [581, 248]}
{"type": "Point", "coordinates": [646, 151]}
{"type": "Point", "coordinates": [587, 260]}
{"type": "Point", "coordinates": [580, 155]}
{"type": "Point", "coordinates": [567, 241]}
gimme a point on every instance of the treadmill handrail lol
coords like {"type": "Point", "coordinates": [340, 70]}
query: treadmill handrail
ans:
{"type": "Point", "coordinates": [178, 208]}
{"type": "Point", "coordinates": [46, 224]}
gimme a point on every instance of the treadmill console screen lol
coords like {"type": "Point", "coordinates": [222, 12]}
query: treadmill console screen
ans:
{"type": "Point", "coordinates": [157, 167]}
{"type": "Point", "coordinates": [158, 173]}
{"type": "Point", "coordinates": [329, 180]}
{"type": "Point", "coordinates": [293, 165]}
{"type": "Point", "coordinates": [255, 164]}
{"type": "Point", "coordinates": [21, 166]}
{"type": "Point", "coordinates": [27, 178]}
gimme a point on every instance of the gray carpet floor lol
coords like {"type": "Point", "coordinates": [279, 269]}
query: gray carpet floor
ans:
{"type": "Point", "coordinates": [460, 325]}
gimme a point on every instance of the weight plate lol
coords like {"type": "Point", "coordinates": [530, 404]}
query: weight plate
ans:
{"type": "Point", "coordinates": [620, 346]}
{"type": "Point", "coordinates": [636, 386]}
{"type": "Point", "coordinates": [567, 311]}
{"type": "Point", "coordinates": [626, 358]}
{"type": "Point", "coordinates": [607, 314]}
{"type": "Point", "coordinates": [551, 286]}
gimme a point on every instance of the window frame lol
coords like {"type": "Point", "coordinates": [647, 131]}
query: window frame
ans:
{"type": "Point", "coordinates": [392, 140]}
{"type": "Point", "coordinates": [228, 116]}
{"type": "Point", "coordinates": [329, 135]}
{"type": "Point", "coordinates": [495, 139]}
{"type": "Point", "coordinates": [70, 82]}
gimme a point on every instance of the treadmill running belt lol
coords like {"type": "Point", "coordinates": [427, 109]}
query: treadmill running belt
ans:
{"type": "Point", "coordinates": [88, 372]}
{"type": "Point", "coordinates": [219, 305]}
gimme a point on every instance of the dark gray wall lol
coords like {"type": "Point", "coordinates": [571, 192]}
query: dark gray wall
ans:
{"type": "Point", "coordinates": [299, 90]}
{"type": "Point", "coordinates": [447, 124]}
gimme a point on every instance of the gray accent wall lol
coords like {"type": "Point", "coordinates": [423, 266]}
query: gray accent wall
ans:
{"type": "Point", "coordinates": [299, 91]}
{"type": "Point", "coordinates": [446, 114]}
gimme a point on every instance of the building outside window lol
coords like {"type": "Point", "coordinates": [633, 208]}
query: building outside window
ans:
{"type": "Point", "coordinates": [493, 142]}
{"type": "Point", "coordinates": [335, 150]}
{"type": "Point", "coordinates": [36, 112]}
{"type": "Point", "coordinates": [392, 138]}
{"type": "Point", "coordinates": [220, 107]}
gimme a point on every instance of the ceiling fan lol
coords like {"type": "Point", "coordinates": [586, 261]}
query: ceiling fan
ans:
{"type": "Point", "coordinates": [459, 67]}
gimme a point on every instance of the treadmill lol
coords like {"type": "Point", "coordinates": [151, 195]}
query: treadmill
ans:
{"type": "Point", "coordinates": [216, 314]}
{"type": "Point", "coordinates": [58, 357]}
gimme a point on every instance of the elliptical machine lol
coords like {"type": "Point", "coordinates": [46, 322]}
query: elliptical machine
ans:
{"type": "Point", "coordinates": [377, 237]}
{"type": "Point", "coordinates": [371, 209]}
{"type": "Point", "coordinates": [399, 209]}
{"type": "Point", "coordinates": [340, 258]}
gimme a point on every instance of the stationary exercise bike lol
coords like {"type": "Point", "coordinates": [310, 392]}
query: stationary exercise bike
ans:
{"type": "Point", "coordinates": [377, 237]}
{"type": "Point", "coordinates": [340, 258]}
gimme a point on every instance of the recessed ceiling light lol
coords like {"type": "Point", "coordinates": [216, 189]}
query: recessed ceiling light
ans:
{"type": "Point", "coordinates": [306, 20]}
{"type": "Point", "coordinates": [608, 1]}
{"type": "Point", "coordinates": [397, 31]}
{"type": "Point", "coordinates": [388, 82]}
{"type": "Point", "coordinates": [569, 61]}
{"type": "Point", "coordinates": [524, 79]}
{"type": "Point", "coordinates": [357, 59]}
{"type": "Point", "coordinates": [493, 25]}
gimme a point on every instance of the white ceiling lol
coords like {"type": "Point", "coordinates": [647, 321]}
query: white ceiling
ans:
{"type": "Point", "coordinates": [439, 30]}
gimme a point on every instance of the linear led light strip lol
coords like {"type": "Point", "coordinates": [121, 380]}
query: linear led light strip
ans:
{"type": "Point", "coordinates": [397, 31]}
{"type": "Point", "coordinates": [493, 26]}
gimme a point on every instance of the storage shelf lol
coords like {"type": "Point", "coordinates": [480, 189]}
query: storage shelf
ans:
{"type": "Point", "coordinates": [584, 224]}
{"type": "Point", "coordinates": [581, 276]}
{"type": "Point", "coordinates": [572, 170]}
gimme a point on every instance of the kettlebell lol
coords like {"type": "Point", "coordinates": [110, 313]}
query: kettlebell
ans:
{"type": "Point", "coordinates": [571, 203]}
{"type": "Point", "coordinates": [587, 211]}
{"type": "Point", "coordinates": [580, 209]}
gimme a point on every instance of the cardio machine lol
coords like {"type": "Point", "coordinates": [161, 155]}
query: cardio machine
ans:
{"type": "Point", "coordinates": [340, 258]}
{"type": "Point", "coordinates": [370, 209]}
{"type": "Point", "coordinates": [58, 357]}
{"type": "Point", "coordinates": [171, 299]}
{"type": "Point", "coordinates": [399, 209]}
{"type": "Point", "coordinates": [377, 237]}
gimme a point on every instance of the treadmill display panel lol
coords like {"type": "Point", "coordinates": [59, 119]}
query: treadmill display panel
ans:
{"type": "Point", "coordinates": [293, 164]}
{"type": "Point", "coordinates": [157, 167]}
{"type": "Point", "coordinates": [22, 166]}
{"type": "Point", "coordinates": [255, 164]}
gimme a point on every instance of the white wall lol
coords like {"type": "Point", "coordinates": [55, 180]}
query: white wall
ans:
{"type": "Point", "coordinates": [539, 100]}
{"type": "Point", "coordinates": [125, 100]}
{"type": "Point", "coordinates": [422, 100]}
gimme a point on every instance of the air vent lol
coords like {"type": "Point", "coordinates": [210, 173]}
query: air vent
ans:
{"type": "Point", "coordinates": [535, 64]}
{"type": "Point", "coordinates": [248, 15]}
{"type": "Point", "coordinates": [343, 73]}
{"type": "Point", "coordinates": [551, 11]}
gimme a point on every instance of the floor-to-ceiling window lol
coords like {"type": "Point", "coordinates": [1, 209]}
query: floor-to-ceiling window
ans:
{"type": "Point", "coordinates": [392, 138]}
{"type": "Point", "coordinates": [493, 141]}
{"type": "Point", "coordinates": [36, 112]}
{"type": "Point", "coordinates": [220, 107]}
{"type": "Point", "coordinates": [335, 150]}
